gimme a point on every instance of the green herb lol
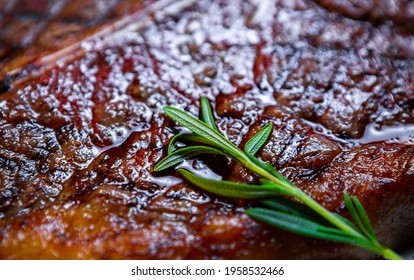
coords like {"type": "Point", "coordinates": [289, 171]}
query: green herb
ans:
{"type": "Point", "coordinates": [306, 217]}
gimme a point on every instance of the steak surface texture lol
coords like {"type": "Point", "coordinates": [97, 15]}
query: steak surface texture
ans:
{"type": "Point", "coordinates": [79, 138]}
{"type": "Point", "coordinates": [32, 29]}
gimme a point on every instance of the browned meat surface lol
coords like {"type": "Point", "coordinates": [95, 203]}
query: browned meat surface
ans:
{"type": "Point", "coordinates": [79, 140]}
{"type": "Point", "coordinates": [400, 12]}
{"type": "Point", "coordinates": [31, 29]}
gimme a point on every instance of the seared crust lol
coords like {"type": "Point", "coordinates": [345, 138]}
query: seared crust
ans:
{"type": "Point", "coordinates": [33, 29]}
{"type": "Point", "coordinates": [78, 142]}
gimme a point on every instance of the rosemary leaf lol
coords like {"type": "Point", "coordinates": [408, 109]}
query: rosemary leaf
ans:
{"type": "Point", "coordinates": [258, 140]}
{"type": "Point", "coordinates": [363, 215]}
{"type": "Point", "coordinates": [363, 221]}
{"type": "Point", "coordinates": [269, 168]}
{"type": "Point", "coordinates": [351, 208]}
{"type": "Point", "coordinates": [293, 208]}
{"type": "Point", "coordinates": [207, 114]}
{"type": "Point", "coordinates": [187, 137]}
{"type": "Point", "coordinates": [296, 224]}
{"type": "Point", "coordinates": [230, 189]}
{"type": "Point", "coordinates": [201, 129]}
{"type": "Point", "coordinates": [182, 154]}
{"type": "Point", "coordinates": [306, 227]}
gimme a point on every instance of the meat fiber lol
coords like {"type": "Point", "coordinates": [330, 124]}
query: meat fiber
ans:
{"type": "Point", "coordinates": [79, 137]}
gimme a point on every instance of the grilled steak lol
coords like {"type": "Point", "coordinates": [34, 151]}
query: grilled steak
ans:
{"type": "Point", "coordinates": [32, 29]}
{"type": "Point", "coordinates": [80, 137]}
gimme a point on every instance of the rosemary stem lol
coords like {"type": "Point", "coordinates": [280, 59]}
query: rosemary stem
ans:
{"type": "Point", "coordinates": [391, 255]}
{"type": "Point", "coordinates": [325, 213]}
{"type": "Point", "coordinates": [361, 235]}
{"type": "Point", "coordinates": [299, 194]}
{"type": "Point", "coordinates": [329, 216]}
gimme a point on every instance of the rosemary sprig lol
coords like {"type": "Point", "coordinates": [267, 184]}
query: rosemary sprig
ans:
{"type": "Point", "coordinates": [306, 217]}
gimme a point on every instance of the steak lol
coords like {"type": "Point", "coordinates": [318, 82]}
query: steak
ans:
{"type": "Point", "coordinates": [81, 130]}
{"type": "Point", "coordinates": [34, 29]}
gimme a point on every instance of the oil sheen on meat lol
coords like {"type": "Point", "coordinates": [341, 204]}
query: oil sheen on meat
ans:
{"type": "Point", "coordinates": [79, 137]}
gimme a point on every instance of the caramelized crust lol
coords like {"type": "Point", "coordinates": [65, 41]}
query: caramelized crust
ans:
{"type": "Point", "coordinates": [79, 140]}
